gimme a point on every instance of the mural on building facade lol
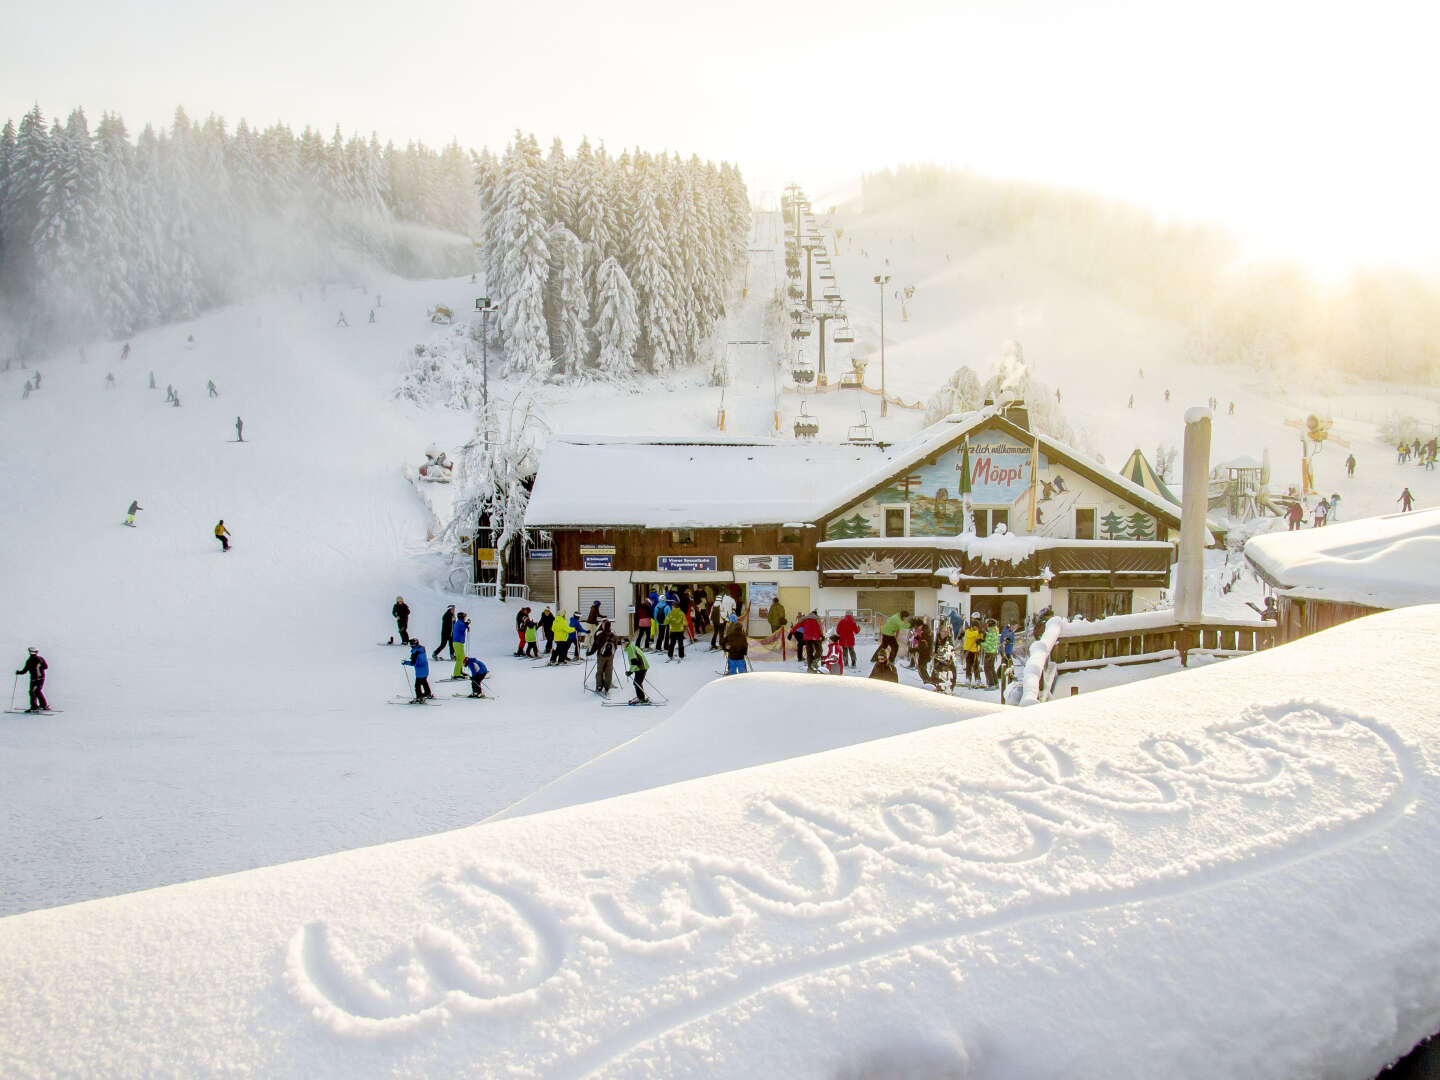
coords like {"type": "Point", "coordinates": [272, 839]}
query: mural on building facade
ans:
{"type": "Point", "coordinates": [1000, 469]}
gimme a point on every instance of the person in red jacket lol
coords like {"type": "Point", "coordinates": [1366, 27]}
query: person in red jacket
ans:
{"type": "Point", "coordinates": [813, 636]}
{"type": "Point", "coordinates": [845, 631]}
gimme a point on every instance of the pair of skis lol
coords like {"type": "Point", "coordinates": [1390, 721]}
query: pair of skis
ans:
{"type": "Point", "coordinates": [33, 712]}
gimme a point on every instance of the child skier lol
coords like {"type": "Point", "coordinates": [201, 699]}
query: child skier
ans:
{"type": "Point", "coordinates": [737, 644]}
{"type": "Point", "coordinates": [638, 665]}
{"type": "Point", "coordinates": [477, 672]}
{"type": "Point", "coordinates": [130, 514]}
{"type": "Point", "coordinates": [459, 632]}
{"type": "Point", "coordinates": [421, 663]}
{"type": "Point", "coordinates": [834, 659]}
{"type": "Point", "coordinates": [532, 632]}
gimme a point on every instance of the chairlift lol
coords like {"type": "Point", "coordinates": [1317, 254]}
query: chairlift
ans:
{"type": "Point", "coordinates": [793, 273]}
{"type": "Point", "coordinates": [832, 294]}
{"type": "Point", "coordinates": [861, 433]}
{"type": "Point", "coordinates": [797, 315]}
{"type": "Point", "coordinates": [854, 379]}
{"type": "Point", "coordinates": [795, 292]}
{"type": "Point", "coordinates": [803, 372]}
{"type": "Point", "coordinates": [844, 335]}
{"type": "Point", "coordinates": [800, 332]}
{"type": "Point", "coordinates": [806, 426]}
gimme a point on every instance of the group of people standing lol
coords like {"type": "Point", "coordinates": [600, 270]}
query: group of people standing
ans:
{"type": "Point", "coordinates": [454, 635]}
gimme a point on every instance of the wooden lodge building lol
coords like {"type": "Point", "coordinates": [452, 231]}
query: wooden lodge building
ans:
{"type": "Point", "coordinates": [874, 528]}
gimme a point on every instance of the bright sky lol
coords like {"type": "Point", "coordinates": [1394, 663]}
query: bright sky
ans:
{"type": "Point", "coordinates": [1308, 127]}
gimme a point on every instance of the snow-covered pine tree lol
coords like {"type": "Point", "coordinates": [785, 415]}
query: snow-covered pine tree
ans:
{"type": "Point", "coordinates": [525, 267]}
{"type": "Point", "coordinates": [617, 321]}
{"type": "Point", "coordinates": [567, 309]}
{"type": "Point", "coordinates": [650, 273]}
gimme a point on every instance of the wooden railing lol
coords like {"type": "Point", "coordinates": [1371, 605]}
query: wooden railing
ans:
{"type": "Point", "coordinates": [1162, 642]}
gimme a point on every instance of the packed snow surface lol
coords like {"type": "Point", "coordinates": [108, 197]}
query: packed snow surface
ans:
{"type": "Point", "coordinates": [1386, 561]}
{"type": "Point", "coordinates": [1211, 874]}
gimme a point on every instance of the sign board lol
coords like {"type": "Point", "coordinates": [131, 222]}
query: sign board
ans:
{"type": "Point", "coordinates": [542, 553]}
{"type": "Point", "coordinates": [598, 562]}
{"type": "Point", "coordinates": [485, 556]}
{"type": "Point", "coordinates": [597, 549]}
{"type": "Point", "coordinates": [686, 564]}
{"type": "Point", "coordinates": [761, 595]}
{"type": "Point", "coordinates": [764, 562]}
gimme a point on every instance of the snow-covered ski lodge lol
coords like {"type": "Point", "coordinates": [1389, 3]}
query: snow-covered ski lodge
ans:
{"type": "Point", "coordinates": [878, 528]}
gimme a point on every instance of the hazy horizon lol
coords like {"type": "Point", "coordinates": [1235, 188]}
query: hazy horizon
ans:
{"type": "Point", "coordinates": [1295, 126]}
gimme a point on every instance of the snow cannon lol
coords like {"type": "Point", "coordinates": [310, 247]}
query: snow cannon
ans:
{"type": "Point", "coordinates": [1317, 428]}
{"type": "Point", "coordinates": [438, 468]}
{"type": "Point", "coordinates": [441, 314]}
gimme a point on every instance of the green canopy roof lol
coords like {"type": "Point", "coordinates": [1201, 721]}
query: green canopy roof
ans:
{"type": "Point", "coordinates": [1138, 471]}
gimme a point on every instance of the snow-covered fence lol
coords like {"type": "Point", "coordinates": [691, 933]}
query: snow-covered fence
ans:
{"type": "Point", "coordinates": [488, 590]}
{"type": "Point", "coordinates": [1036, 676]}
{"type": "Point", "coordinates": [1155, 635]}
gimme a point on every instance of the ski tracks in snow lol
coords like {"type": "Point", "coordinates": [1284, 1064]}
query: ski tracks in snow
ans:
{"type": "Point", "coordinates": [618, 960]}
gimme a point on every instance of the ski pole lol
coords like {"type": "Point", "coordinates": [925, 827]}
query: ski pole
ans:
{"type": "Point", "coordinates": [13, 688]}
{"type": "Point", "coordinates": [406, 678]}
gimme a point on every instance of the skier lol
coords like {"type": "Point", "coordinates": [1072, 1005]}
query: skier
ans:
{"type": "Point", "coordinates": [125, 352]}
{"type": "Point", "coordinates": [1406, 500]}
{"type": "Point", "coordinates": [643, 612]}
{"type": "Point", "coordinates": [169, 393]}
{"type": "Point", "coordinates": [37, 387]}
{"type": "Point", "coordinates": [447, 621]}
{"type": "Point", "coordinates": [401, 611]}
{"type": "Point", "coordinates": [421, 665]}
{"type": "Point", "coordinates": [637, 666]}
{"type": "Point", "coordinates": [990, 650]}
{"type": "Point", "coordinates": [602, 647]}
{"type": "Point", "coordinates": [152, 380]}
{"type": "Point", "coordinates": [547, 629]}
{"type": "Point", "coordinates": [175, 399]}
{"type": "Point", "coordinates": [522, 620]}
{"type": "Point", "coordinates": [222, 534]}
{"type": "Point", "coordinates": [477, 672]}
{"type": "Point", "coordinates": [26, 392]}
{"type": "Point", "coordinates": [1333, 514]}
{"type": "Point", "coordinates": [110, 380]}
{"type": "Point", "coordinates": [675, 625]}
{"type": "Point", "coordinates": [1350, 465]}
{"type": "Point", "coordinates": [1295, 515]}
{"type": "Point", "coordinates": [560, 630]}
{"type": "Point", "coordinates": [459, 632]}
{"type": "Point", "coordinates": [890, 635]}
{"type": "Point", "coordinates": [845, 630]}
{"type": "Point", "coordinates": [532, 631]}
{"type": "Point", "coordinates": [1131, 403]}
{"type": "Point", "coordinates": [130, 514]}
{"type": "Point", "coordinates": [210, 385]}
{"type": "Point", "coordinates": [341, 321]}
{"type": "Point", "coordinates": [834, 660]}
{"type": "Point", "coordinates": [372, 319]}
{"type": "Point", "coordinates": [1167, 395]}
{"type": "Point", "coordinates": [1322, 511]}
{"type": "Point", "coordinates": [737, 644]}
{"type": "Point", "coordinates": [1232, 408]}
{"type": "Point", "coordinates": [35, 667]}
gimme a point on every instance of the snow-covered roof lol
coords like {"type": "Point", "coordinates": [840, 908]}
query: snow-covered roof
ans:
{"type": "Point", "coordinates": [994, 890]}
{"type": "Point", "coordinates": [1386, 562]}
{"type": "Point", "coordinates": [606, 480]}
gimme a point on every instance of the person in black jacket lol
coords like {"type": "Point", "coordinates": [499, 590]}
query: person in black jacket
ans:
{"type": "Point", "coordinates": [35, 667]}
{"type": "Point", "coordinates": [602, 647]}
{"type": "Point", "coordinates": [547, 628]}
{"type": "Point", "coordinates": [401, 611]}
{"type": "Point", "coordinates": [522, 620]}
{"type": "Point", "coordinates": [447, 623]}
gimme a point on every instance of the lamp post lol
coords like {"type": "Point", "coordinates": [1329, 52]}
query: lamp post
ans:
{"type": "Point", "coordinates": [882, 280]}
{"type": "Point", "coordinates": [483, 305]}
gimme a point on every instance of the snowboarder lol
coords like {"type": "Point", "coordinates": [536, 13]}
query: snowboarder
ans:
{"type": "Point", "coordinates": [401, 611]}
{"type": "Point", "coordinates": [477, 671]}
{"type": "Point", "coordinates": [239, 430]}
{"type": "Point", "coordinates": [341, 321]}
{"type": "Point", "coordinates": [222, 534]}
{"type": "Point", "coordinates": [637, 666]}
{"type": "Point", "coordinates": [1350, 466]}
{"type": "Point", "coordinates": [125, 352]}
{"type": "Point", "coordinates": [35, 667]}
{"type": "Point", "coordinates": [459, 632]}
{"type": "Point", "coordinates": [210, 385]}
{"type": "Point", "coordinates": [447, 621]}
{"type": "Point", "coordinates": [422, 672]}
{"type": "Point", "coordinates": [130, 514]}
{"type": "Point", "coordinates": [1406, 500]}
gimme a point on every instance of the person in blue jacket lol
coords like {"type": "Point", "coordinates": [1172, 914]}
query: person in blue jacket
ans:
{"type": "Point", "coordinates": [459, 634]}
{"type": "Point", "coordinates": [1007, 641]}
{"type": "Point", "coordinates": [477, 672]}
{"type": "Point", "coordinates": [420, 661]}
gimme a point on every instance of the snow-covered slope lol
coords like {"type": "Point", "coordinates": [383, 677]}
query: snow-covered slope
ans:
{"type": "Point", "coordinates": [1221, 873]}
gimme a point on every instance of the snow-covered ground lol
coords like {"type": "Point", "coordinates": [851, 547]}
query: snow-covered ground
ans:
{"type": "Point", "coordinates": [1220, 873]}
{"type": "Point", "coordinates": [224, 712]}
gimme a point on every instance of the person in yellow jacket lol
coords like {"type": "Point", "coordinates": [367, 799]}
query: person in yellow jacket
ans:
{"type": "Point", "coordinates": [675, 624]}
{"type": "Point", "coordinates": [222, 534]}
{"type": "Point", "coordinates": [561, 628]}
{"type": "Point", "coordinates": [973, 636]}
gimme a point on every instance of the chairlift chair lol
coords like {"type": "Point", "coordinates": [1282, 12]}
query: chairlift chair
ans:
{"type": "Point", "coordinates": [806, 426]}
{"type": "Point", "coordinates": [844, 335]}
{"type": "Point", "coordinates": [862, 432]}
{"type": "Point", "coordinates": [803, 373]}
{"type": "Point", "coordinates": [832, 294]}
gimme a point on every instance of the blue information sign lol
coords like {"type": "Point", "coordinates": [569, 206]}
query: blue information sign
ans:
{"type": "Point", "coordinates": [597, 562]}
{"type": "Point", "coordinates": [541, 553]}
{"type": "Point", "coordinates": [686, 564]}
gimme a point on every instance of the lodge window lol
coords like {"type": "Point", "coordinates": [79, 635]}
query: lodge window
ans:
{"type": "Point", "coordinates": [789, 536]}
{"type": "Point", "coordinates": [987, 517]}
{"type": "Point", "coordinates": [1099, 603]}
{"type": "Point", "coordinates": [729, 536]}
{"type": "Point", "coordinates": [897, 521]}
{"type": "Point", "coordinates": [1085, 523]}
{"type": "Point", "coordinates": [682, 536]}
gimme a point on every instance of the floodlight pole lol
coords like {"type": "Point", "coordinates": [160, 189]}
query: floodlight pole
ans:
{"type": "Point", "coordinates": [483, 305]}
{"type": "Point", "coordinates": [882, 280]}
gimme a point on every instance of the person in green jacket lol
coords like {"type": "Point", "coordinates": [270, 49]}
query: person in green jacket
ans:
{"type": "Point", "coordinates": [990, 647]}
{"type": "Point", "coordinates": [637, 666]}
{"type": "Point", "coordinates": [675, 624]}
{"type": "Point", "coordinates": [777, 615]}
{"type": "Point", "coordinates": [561, 629]}
{"type": "Point", "coordinates": [890, 633]}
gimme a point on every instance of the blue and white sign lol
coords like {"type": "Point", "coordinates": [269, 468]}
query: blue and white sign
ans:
{"type": "Point", "coordinates": [542, 553]}
{"type": "Point", "coordinates": [753, 563]}
{"type": "Point", "coordinates": [598, 562]}
{"type": "Point", "coordinates": [686, 564]}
